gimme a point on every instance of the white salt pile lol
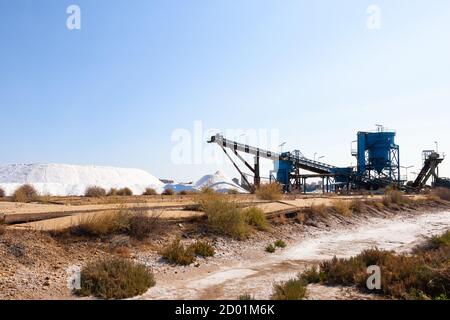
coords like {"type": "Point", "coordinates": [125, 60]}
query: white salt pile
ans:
{"type": "Point", "coordinates": [68, 180]}
{"type": "Point", "coordinates": [219, 182]}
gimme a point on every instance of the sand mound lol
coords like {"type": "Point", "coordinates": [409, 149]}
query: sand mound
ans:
{"type": "Point", "coordinates": [68, 180]}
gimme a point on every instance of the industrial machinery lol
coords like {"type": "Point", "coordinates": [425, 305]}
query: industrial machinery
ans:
{"type": "Point", "coordinates": [378, 165]}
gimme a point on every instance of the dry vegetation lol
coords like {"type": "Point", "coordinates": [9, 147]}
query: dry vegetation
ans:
{"type": "Point", "coordinates": [115, 278]}
{"type": "Point", "coordinates": [2, 193]}
{"type": "Point", "coordinates": [168, 192]}
{"type": "Point", "coordinates": [150, 192]}
{"type": "Point", "coordinates": [269, 191]}
{"type": "Point", "coordinates": [294, 289]}
{"type": "Point", "coordinates": [442, 193]}
{"type": "Point", "coordinates": [179, 254]}
{"type": "Point", "coordinates": [26, 194]}
{"type": "Point", "coordinates": [424, 275]}
{"type": "Point", "coordinates": [138, 225]}
{"type": "Point", "coordinates": [94, 192]}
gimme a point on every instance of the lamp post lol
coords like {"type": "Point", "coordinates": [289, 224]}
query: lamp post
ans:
{"type": "Point", "coordinates": [437, 146]}
{"type": "Point", "coordinates": [281, 146]}
{"type": "Point", "coordinates": [315, 154]}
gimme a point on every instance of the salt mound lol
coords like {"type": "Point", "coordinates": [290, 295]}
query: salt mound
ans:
{"type": "Point", "coordinates": [219, 182]}
{"type": "Point", "coordinates": [68, 180]}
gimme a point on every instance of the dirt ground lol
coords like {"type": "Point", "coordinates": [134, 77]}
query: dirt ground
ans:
{"type": "Point", "coordinates": [35, 263]}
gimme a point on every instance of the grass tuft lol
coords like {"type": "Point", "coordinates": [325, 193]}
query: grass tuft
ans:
{"type": "Point", "coordinates": [280, 243]}
{"type": "Point", "coordinates": [269, 191]}
{"type": "Point", "coordinates": [150, 192]}
{"type": "Point", "coordinates": [203, 249]}
{"type": "Point", "coordinates": [294, 289]}
{"type": "Point", "coordinates": [270, 248]}
{"type": "Point", "coordinates": [177, 253]}
{"type": "Point", "coordinates": [257, 218]}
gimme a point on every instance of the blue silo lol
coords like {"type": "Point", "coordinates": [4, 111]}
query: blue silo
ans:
{"type": "Point", "coordinates": [378, 155]}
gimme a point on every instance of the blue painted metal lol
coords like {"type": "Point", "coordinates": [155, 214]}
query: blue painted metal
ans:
{"type": "Point", "coordinates": [283, 169]}
{"type": "Point", "coordinates": [378, 154]}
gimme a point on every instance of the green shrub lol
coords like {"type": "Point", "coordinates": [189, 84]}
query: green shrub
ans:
{"type": "Point", "coordinates": [257, 218]}
{"type": "Point", "coordinates": [269, 191]}
{"type": "Point", "coordinates": [294, 289]}
{"type": "Point", "coordinates": [203, 249]}
{"type": "Point", "coordinates": [124, 192]}
{"type": "Point", "coordinates": [177, 253]}
{"type": "Point", "coordinates": [270, 248]}
{"type": "Point", "coordinates": [26, 193]}
{"type": "Point", "coordinates": [168, 192]}
{"type": "Point", "coordinates": [280, 244]}
{"type": "Point", "coordinates": [115, 278]}
{"type": "Point", "coordinates": [311, 275]}
{"type": "Point", "coordinates": [150, 192]}
{"type": "Point", "coordinates": [224, 217]}
{"type": "Point", "coordinates": [95, 192]}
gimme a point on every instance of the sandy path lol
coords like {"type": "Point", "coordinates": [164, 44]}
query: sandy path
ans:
{"type": "Point", "coordinates": [256, 276]}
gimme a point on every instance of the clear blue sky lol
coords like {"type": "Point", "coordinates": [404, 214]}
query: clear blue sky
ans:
{"type": "Point", "coordinates": [113, 92]}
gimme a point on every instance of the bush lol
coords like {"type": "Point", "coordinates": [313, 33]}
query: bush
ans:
{"type": "Point", "coordinates": [141, 225]}
{"type": "Point", "coordinates": [95, 192]}
{"type": "Point", "coordinates": [112, 192]}
{"type": "Point", "coordinates": [294, 289]}
{"type": "Point", "coordinates": [203, 249]}
{"type": "Point", "coordinates": [269, 191]}
{"type": "Point", "coordinates": [357, 206]}
{"type": "Point", "coordinates": [225, 217]}
{"type": "Point", "coordinates": [257, 218]}
{"type": "Point", "coordinates": [423, 275]}
{"type": "Point", "coordinates": [311, 275]}
{"type": "Point", "coordinates": [342, 207]}
{"type": "Point", "coordinates": [25, 193]}
{"type": "Point", "coordinates": [270, 248]}
{"type": "Point", "coordinates": [183, 193]}
{"type": "Point", "coordinates": [177, 253]}
{"type": "Point", "coordinates": [442, 193]}
{"type": "Point", "coordinates": [150, 192]}
{"type": "Point", "coordinates": [232, 191]}
{"type": "Point", "coordinates": [2, 193]}
{"type": "Point", "coordinates": [102, 224]}
{"type": "Point", "coordinates": [280, 244]}
{"type": "Point", "coordinates": [124, 192]}
{"type": "Point", "coordinates": [115, 278]}
{"type": "Point", "coordinates": [168, 192]}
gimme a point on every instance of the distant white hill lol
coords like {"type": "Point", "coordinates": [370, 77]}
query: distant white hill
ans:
{"type": "Point", "coordinates": [219, 182]}
{"type": "Point", "coordinates": [64, 180]}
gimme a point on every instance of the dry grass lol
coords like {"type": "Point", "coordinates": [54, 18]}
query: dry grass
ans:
{"type": "Point", "coordinates": [95, 192]}
{"type": "Point", "coordinates": [177, 253]}
{"type": "Point", "coordinates": [257, 218]}
{"type": "Point", "coordinates": [203, 249]}
{"type": "Point", "coordinates": [26, 193]}
{"type": "Point", "coordinates": [357, 206]}
{"type": "Point", "coordinates": [115, 278]}
{"type": "Point", "coordinates": [394, 197]}
{"type": "Point", "coordinates": [342, 207]}
{"type": "Point", "coordinates": [318, 209]}
{"type": "Point", "coordinates": [102, 224]}
{"type": "Point", "coordinates": [168, 192]}
{"type": "Point", "coordinates": [442, 193]}
{"type": "Point", "coordinates": [294, 289]}
{"type": "Point", "coordinates": [150, 192]}
{"type": "Point", "coordinates": [141, 224]}
{"type": "Point", "coordinates": [269, 191]}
